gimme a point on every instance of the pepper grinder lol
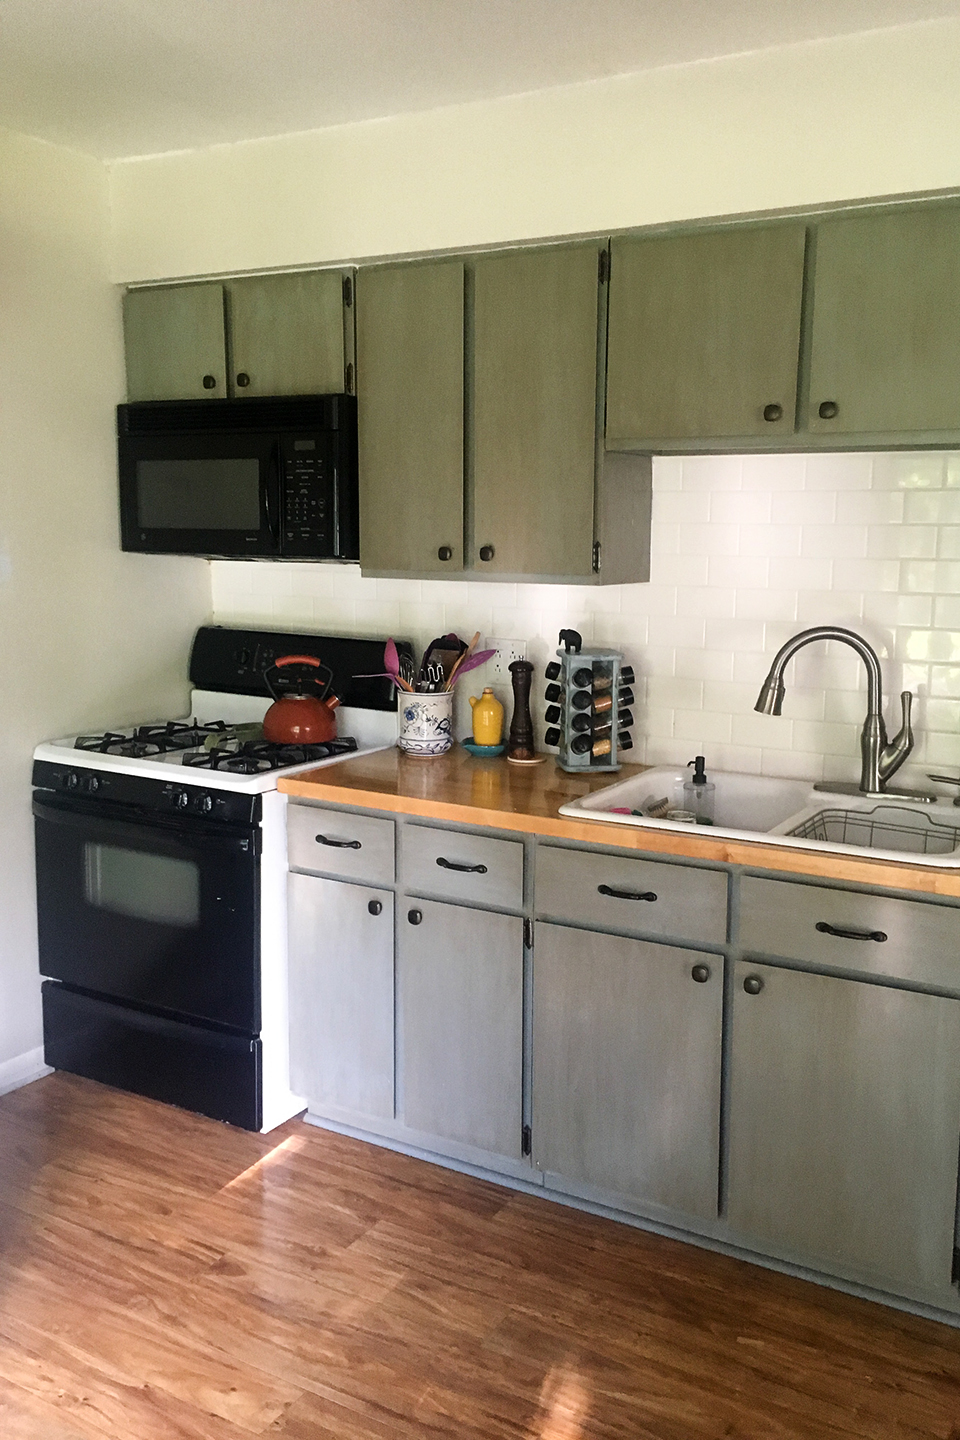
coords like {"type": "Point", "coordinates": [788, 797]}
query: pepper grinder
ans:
{"type": "Point", "coordinates": [520, 742]}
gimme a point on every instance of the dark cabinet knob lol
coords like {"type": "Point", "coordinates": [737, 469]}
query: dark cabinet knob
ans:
{"type": "Point", "coordinates": [753, 984]}
{"type": "Point", "coordinates": [374, 906]}
{"type": "Point", "coordinates": [486, 552]}
{"type": "Point", "coordinates": [701, 973]}
{"type": "Point", "coordinates": [445, 553]}
{"type": "Point", "coordinates": [209, 382]}
{"type": "Point", "coordinates": [828, 410]}
{"type": "Point", "coordinates": [773, 412]}
{"type": "Point", "coordinates": [243, 379]}
{"type": "Point", "coordinates": [414, 916]}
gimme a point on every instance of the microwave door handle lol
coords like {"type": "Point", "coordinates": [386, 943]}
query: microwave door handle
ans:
{"type": "Point", "coordinates": [271, 491]}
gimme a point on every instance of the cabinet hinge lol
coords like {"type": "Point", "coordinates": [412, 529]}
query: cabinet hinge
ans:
{"type": "Point", "coordinates": [596, 557]}
{"type": "Point", "coordinates": [347, 291]}
{"type": "Point", "coordinates": [348, 380]}
{"type": "Point", "coordinates": [528, 934]}
{"type": "Point", "coordinates": [955, 1267]}
{"type": "Point", "coordinates": [526, 1141]}
{"type": "Point", "coordinates": [603, 270]}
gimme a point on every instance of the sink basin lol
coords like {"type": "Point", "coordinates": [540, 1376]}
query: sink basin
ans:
{"type": "Point", "coordinates": [743, 802]}
{"type": "Point", "coordinates": [788, 812]}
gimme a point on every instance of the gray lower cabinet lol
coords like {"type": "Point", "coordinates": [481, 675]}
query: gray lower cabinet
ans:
{"type": "Point", "coordinates": [626, 1070]}
{"type": "Point", "coordinates": [460, 989]}
{"type": "Point", "coordinates": [844, 1125]}
{"type": "Point", "coordinates": [341, 995]}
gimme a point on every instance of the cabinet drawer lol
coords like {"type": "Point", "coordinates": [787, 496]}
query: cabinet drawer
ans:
{"type": "Point", "coordinates": [622, 893]}
{"type": "Point", "coordinates": [337, 842]}
{"type": "Point", "coordinates": [922, 942]}
{"type": "Point", "coordinates": [463, 867]}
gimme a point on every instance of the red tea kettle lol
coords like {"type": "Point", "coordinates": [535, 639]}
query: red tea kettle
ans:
{"type": "Point", "coordinates": [296, 718]}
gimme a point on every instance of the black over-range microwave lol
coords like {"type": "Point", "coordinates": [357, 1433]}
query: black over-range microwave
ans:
{"type": "Point", "coordinates": [261, 479]}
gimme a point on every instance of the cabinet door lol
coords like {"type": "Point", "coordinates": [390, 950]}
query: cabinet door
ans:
{"type": "Point", "coordinates": [410, 416]}
{"type": "Point", "coordinates": [844, 1124]}
{"type": "Point", "coordinates": [341, 995]}
{"type": "Point", "coordinates": [704, 335]}
{"type": "Point", "coordinates": [286, 334]}
{"type": "Point", "coordinates": [886, 323]}
{"type": "Point", "coordinates": [534, 411]}
{"type": "Point", "coordinates": [174, 343]}
{"type": "Point", "coordinates": [461, 997]}
{"type": "Point", "coordinates": [626, 1066]}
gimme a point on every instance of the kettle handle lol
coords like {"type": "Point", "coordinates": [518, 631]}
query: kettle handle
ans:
{"type": "Point", "coordinates": [299, 660]}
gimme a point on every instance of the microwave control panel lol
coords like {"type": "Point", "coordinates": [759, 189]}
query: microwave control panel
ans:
{"type": "Point", "coordinates": [308, 497]}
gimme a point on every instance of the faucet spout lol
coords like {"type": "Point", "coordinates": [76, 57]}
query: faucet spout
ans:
{"type": "Point", "coordinates": [879, 759]}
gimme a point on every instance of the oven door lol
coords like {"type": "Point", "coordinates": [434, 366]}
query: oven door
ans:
{"type": "Point", "coordinates": [202, 494]}
{"type": "Point", "coordinates": [159, 914]}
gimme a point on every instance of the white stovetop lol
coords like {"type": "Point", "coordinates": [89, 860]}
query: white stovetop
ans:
{"type": "Point", "coordinates": [372, 730]}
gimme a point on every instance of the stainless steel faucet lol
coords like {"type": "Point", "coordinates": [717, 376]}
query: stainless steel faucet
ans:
{"type": "Point", "coordinates": [880, 758]}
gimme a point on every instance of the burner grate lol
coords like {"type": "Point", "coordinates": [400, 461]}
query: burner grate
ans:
{"type": "Point", "coordinates": [249, 757]}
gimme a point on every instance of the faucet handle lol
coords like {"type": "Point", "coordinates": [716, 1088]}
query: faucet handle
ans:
{"type": "Point", "coordinates": [906, 709]}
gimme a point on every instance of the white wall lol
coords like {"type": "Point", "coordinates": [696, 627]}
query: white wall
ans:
{"type": "Point", "coordinates": [864, 115]}
{"type": "Point", "coordinates": [746, 551]}
{"type": "Point", "coordinates": [87, 635]}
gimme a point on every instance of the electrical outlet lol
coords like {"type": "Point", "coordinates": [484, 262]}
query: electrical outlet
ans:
{"type": "Point", "coordinates": [507, 652]}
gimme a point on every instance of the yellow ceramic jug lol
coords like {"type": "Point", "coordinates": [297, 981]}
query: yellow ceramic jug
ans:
{"type": "Point", "coordinates": [487, 718]}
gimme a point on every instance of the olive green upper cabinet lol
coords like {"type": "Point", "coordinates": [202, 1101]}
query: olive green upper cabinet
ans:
{"type": "Point", "coordinates": [257, 335]}
{"type": "Point", "coordinates": [885, 353]}
{"type": "Point", "coordinates": [175, 344]}
{"type": "Point", "coordinates": [534, 411]}
{"type": "Point", "coordinates": [704, 336]}
{"type": "Point", "coordinates": [287, 333]}
{"type": "Point", "coordinates": [410, 416]}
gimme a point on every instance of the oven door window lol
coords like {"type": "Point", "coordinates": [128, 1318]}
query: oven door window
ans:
{"type": "Point", "coordinates": [198, 494]}
{"type": "Point", "coordinates": [158, 888]}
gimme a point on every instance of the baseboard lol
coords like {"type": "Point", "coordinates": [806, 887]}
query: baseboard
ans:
{"type": "Point", "coordinates": [22, 1069]}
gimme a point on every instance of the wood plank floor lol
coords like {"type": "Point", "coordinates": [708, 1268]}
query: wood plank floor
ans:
{"type": "Point", "coordinates": [167, 1278]}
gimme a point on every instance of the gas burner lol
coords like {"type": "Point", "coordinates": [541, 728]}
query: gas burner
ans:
{"type": "Point", "coordinates": [249, 757]}
{"type": "Point", "coordinates": [179, 734]}
{"type": "Point", "coordinates": [149, 740]}
{"type": "Point", "coordinates": [112, 742]}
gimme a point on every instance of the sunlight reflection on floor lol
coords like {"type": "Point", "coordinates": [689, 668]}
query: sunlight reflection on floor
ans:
{"type": "Point", "coordinates": [280, 1152]}
{"type": "Point", "coordinates": [564, 1405]}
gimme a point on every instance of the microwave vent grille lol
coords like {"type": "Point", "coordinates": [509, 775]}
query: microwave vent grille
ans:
{"type": "Point", "coordinates": [183, 417]}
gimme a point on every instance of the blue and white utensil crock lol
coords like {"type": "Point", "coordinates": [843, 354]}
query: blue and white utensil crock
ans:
{"type": "Point", "coordinates": [426, 723]}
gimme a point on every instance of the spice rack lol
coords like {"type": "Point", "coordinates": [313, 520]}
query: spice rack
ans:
{"type": "Point", "coordinates": [588, 705]}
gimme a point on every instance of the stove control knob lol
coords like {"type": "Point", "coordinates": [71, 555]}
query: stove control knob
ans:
{"type": "Point", "coordinates": [181, 799]}
{"type": "Point", "coordinates": [71, 780]}
{"type": "Point", "coordinates": [205, 804]}
{"type": "Point", "coordinates": [93, 785]}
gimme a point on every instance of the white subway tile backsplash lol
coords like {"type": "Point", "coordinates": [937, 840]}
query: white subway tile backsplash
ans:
{"type": "Point", "coordinates": [747, 550]}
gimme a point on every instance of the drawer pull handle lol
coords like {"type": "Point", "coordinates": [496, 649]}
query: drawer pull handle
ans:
{"type": "Point", "coordinates": [626, 894]}
{"type": "Point", "coordinates": [467, 869]}
{"type": "Point", "coordinates": [338, 844]}
{"type": "Point", "coordinates": [845, 934]}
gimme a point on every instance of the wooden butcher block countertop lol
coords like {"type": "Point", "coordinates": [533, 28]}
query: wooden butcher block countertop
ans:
{"type": "Point", "coordinates": [459, 788]}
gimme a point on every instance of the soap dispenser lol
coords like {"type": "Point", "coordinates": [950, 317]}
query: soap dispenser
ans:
{"type": "Point", "coordinates": [699, 793]}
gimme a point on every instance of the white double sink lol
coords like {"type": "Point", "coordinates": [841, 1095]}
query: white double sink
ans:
{"type": "Point", "coordinates": [788, 812]}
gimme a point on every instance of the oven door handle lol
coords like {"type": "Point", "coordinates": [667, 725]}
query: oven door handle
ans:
{"type": "Point", "coordinates": [97, 825]}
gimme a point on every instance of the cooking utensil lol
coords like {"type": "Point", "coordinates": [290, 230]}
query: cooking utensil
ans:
{"type": "Point", "coordinates": [298, 718]}
{"type": "Point", "coordinates": [480, 658]}
{"type": "Point", "coordinates": [465, 656]}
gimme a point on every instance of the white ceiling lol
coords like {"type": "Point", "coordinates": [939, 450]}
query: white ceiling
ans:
{"type": "Point", "coordinates": [133, 77]}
